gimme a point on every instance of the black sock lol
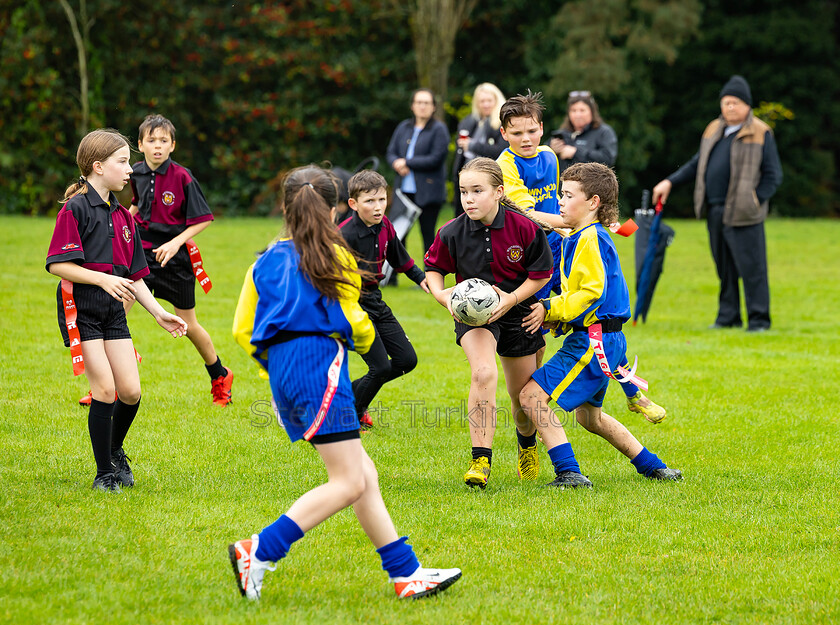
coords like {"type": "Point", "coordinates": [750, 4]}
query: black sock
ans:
{"type": "Point", "coordinates": [123, 416]}
{"type": "Point", "coordinates": [216, 370]}
{"type": "Point", "coordinates": [99, 428]}
{"type": "Point", "coordinates": [478, 452]}
{"type": "Point", "coordinates": [526, 441]}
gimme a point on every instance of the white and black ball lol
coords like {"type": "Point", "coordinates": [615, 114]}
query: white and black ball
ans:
{"type": "Point", "coordinates": [473, 301]}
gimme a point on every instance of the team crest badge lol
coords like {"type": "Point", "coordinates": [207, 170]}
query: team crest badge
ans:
{"type": "Point", "coordinates": [68, 247]}
{"type": "Point", "coordinates": [514, 253]}
{"type": "Point", "coordinates": [126, 234]}
{"type": "Point", "coordinates": [168, 198]}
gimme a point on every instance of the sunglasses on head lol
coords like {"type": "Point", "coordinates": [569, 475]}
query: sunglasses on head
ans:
{"type": "Point", "coordinates": [579, 94]}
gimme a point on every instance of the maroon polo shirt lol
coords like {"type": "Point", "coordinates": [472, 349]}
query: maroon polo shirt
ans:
{"type": "Point", "coordinates": [169, 199]}
{"type": "Point", "coordinates": [97, 236]}
{"type": "Point", "coordinates": [377, 244]}
{"type": "Point", "coordinates": [506, 253]}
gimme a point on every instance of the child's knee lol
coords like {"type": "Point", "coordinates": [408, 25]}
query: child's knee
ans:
{"type": "Point", "coordinates": [530, 396]}
{"type": "Point", "coordinates": [484, 375]}
{"type": "Point", "coordinates": [351, 487]}
{"type": "Point", "coordinates": [406, 363]}
{"type": "Point", "coordinates": [129, 396]}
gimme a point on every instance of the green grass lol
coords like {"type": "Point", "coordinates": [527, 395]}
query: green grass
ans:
{"type": "Point", "coordinates": [751, 536]}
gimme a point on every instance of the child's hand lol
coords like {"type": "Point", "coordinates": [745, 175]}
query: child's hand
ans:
{"type": "Point", "coordinates": [506, 302]}
{"type": "Point", "coordinates": [172, 324]}
{"type": "Point", "coordinates": [119, 288]}
{"type": "Point", "coordinates": [165, 252]}
{"type": "Point", "coordinates": [425, 285]}
{"type": "Point", "coordinates": [534, 320]}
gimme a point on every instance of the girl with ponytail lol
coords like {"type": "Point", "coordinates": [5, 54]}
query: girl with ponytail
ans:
{"type": "Point", "coordinates": [297, 316]}
{"type": "Point", "coordinates": [97, 253]}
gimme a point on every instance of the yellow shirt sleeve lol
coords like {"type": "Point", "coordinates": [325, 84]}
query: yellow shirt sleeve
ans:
{"type": "Point", "coordinates": [584, 285]}
{"type": "Point", "coordinates": [515, 187]}
{"type": "Point", "coordinates": [243, 319]}
{"type": "Point", "coordinates": [348, 298]}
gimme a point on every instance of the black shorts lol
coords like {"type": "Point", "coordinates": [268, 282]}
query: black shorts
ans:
{"type": "Point", "coordinates": [174, 283]}
{"type": "Point", "coordinates": [512, 340]}
{"type": "Point", "coordinates": [98, 315]}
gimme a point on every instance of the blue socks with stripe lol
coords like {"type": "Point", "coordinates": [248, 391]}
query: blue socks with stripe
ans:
{"type": "Point", "coordinates": [398, 558]}
{"type": "Point", "coordinates": [277, 538]}
{"type": "Point", "coordinates": [646, 462]}
{"type": "Point", "coordinates": [563, 459]}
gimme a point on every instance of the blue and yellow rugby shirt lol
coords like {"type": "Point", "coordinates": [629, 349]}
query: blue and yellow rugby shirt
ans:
{"type": "Point", "coordinates": [533, 182]}
{"type": "Point", "coordinates": [593, 286]}
{"type": "Point", "coordinates": [276, 296]}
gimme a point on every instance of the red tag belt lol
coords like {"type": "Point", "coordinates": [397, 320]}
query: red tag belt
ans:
{"type": "Point", "coordinates": [72, 329]}
{"type": "Point", "coordinates": [597, 343]}
{"type": "Point", "coordinates": [197, 263]}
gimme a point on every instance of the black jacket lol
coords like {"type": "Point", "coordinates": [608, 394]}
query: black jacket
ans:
{"type": "Point", "coordinates": [428, 162]}
{"type": "Point", "coordinates": [594, 145]}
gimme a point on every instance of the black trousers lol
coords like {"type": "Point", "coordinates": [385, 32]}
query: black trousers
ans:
{"type": "Point", "coordinates": [428, 221]}
{"type": "Point", "coordinates": [390, 356]}
{"type": "Point", "coordinates": [740, 252]}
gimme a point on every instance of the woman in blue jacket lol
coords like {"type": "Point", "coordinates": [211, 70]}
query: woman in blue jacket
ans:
{"type": "Point", "coordinates": [417, 152]}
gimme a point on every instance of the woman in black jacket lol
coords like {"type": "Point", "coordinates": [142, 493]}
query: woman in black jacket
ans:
{"type": "Point", "coordinates": [417, 152]}
{"type": "Point", "coordinates": [584, 137]}
{"type": "Point", "coordinates": [478, 133]}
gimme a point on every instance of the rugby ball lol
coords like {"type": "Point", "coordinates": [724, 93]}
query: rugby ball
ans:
{"type": "Point", "coordinates": [473, 301]}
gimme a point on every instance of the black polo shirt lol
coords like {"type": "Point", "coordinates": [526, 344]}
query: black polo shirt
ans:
{"type": "Point", "coordinates": [506, 253]}
{"type": "Point", "coordinates": [97, 236]}
{"type": "Point", "coordinates": [376, 244]}
{"type": "Point", "coordinates": [169, 200]}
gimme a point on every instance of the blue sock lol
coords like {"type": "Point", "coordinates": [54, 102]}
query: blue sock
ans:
{"type": "Point", "coordinates": [646, 462]}
{"type": "Point", "coordinates": [629, 388]}
{"type": "Point", "coordinates": [526, 441]}
{"type": "Point", "coordinates": [398, 558]}
{"type": "Point", "coordinates": [563, 458]}
{"type": "Point", "coordinates": [277, 538]}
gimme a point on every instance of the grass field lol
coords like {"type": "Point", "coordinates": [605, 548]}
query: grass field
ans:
{"type": "Point", "coordinates": [751, 536]}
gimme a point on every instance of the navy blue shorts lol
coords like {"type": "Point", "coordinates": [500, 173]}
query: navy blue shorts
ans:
{"type": "Point", "coordinates": [98, 315]}
{"type": "Point", "coordinates": [573, 376]}
{"type": "Point", "coordinates": [174, 283]}
{"type": "Point", "coordinates": [310, 383]}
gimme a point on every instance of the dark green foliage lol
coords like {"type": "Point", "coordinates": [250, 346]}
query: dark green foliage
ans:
{"type": "Point", "coordinates": [789, 54]}
{"type": "Point", "coordinates": [256, 88]}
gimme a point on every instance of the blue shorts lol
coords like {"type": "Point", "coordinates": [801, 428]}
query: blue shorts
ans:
{"type": "Point", "coordinates": [573, 377]}
{"type": "Point", "coordinates": [311, 386]}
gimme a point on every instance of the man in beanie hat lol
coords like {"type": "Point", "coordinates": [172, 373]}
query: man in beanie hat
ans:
{"type": "Point", "coordinates": [736, 171]}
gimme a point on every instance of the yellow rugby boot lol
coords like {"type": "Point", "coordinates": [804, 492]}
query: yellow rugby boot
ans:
{"type": "Point", "coordinates": [641, 404]}
{"type": "Point", "coordinates": [478, 473]}
{"type": "Point", "coordinates": [528, 463]}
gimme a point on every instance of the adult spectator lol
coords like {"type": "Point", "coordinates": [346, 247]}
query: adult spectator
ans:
{"type": "Point", "coordinates": [736, 171]}
{"type": "Point", "coordinates": [417, 152]}
{"type": "Point", "coordinates": [479, 134]}
{"type": "Point", "coordinates": [584, 137]}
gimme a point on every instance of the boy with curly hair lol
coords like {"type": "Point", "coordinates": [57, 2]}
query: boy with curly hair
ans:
{"type": "Point", "coordinates": [593, 304]}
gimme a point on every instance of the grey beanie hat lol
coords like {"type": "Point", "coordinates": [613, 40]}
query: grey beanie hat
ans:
{"type": "Point", "coordinates": [738, 87]}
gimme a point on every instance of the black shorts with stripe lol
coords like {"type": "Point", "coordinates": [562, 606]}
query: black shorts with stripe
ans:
{"type": "Point", "coordinates": [174, 283]}
{"type": "Point", "coordinates": [98, 315]}
{"type": "Point", "coordinates": [512, 340]}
